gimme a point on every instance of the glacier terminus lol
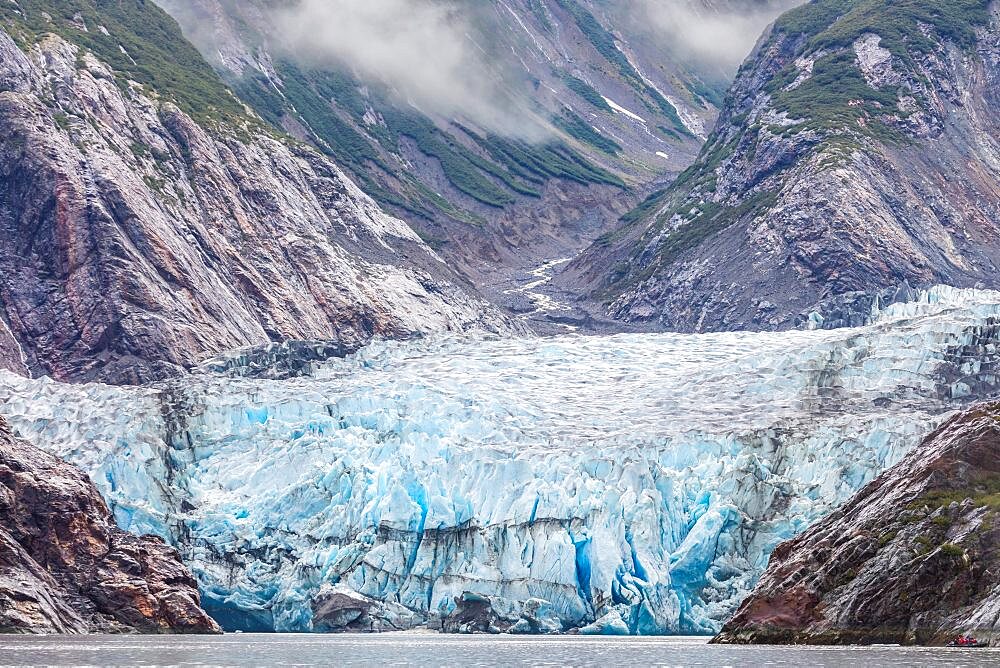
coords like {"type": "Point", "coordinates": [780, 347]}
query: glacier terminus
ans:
{"type": "Point", "coordinates": [628, 484]}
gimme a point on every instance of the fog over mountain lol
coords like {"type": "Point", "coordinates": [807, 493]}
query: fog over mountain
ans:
{"type": "Point", "coordinates": [430, 52]}
{"type": "Point", "coordinates": [717, 33]}
{"type": "Point", "coordinates": [555, 317]}
{"type": "Point", "coordinates": [436, 54]}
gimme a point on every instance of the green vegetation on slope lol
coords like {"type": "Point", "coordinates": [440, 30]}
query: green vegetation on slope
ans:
{"type": "Point", "coordinates": [604, 43]}
{"type": "Point", "coordinates": [676, 200]}
{"type": "Point", "coordinates": [142, 44]}
{"type": "Point", "coordinates": [335, 136]}
{"type": "Point", "coordinates": [580, 129]}
{"type": "Point", "coordinates": [465, 170]}
{"type": "Point", "coordinates": [705, 221]}
{"type": "Point", "coordinates": [713, 92]}
{"type": "Point", "coordinates": [538, 9]}
{"type": "Point", "coordinates": [602, 40]}
{"type": "Point", "coordinates": [985, 494]}
{"type": "Point", "coordinates": [835, 101]}
{"type": "Point", "coordinates": [260, 95]}
{"type": "Point", "coordinates": [333, 107]}
{"type": "Point", "coordinates": [346, 144]}
{"type": "Point", "coordinates": [835, 24]}
{"type": "Point", "coordinates": [837, 96]}
{"type": "Point", "coordinates": [157, 56]}
{"type": "Point", "coordinates": [538, 163]}
{"type": "Point", "coordinates": [700, 223]}
{"type": "Point", "coordinates": [834, 98]}
{"type": "Point", "coordinates": [587, 92]}
{"type": "Point", "coordinates": [645, 208]}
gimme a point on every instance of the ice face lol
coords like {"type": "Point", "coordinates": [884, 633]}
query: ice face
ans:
{"type": "Point", "coordinates": [631, 483]}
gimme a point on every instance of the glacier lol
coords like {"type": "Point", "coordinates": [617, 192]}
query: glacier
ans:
{"type": "Point", "coordinates": [612, 484]}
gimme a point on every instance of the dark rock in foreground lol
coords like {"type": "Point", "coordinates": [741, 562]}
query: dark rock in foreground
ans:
{"type": "Point", "coordinates": [475, 613]}
{"type": "Point", "coordinates": [913, 558]}
{"type": "Point", "coordinates": [66, 568]}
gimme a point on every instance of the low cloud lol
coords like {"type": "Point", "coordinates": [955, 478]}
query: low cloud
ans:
{"type": "Point", "coordinates": [717, 33]}
{"type": "Point", "coordinates": [428, 52]}
{"type": "Point", "coordinates": [443, 56]}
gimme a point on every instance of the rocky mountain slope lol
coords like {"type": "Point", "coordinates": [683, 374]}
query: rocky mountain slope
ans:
{"type": "Point", "coordinates": [605, 110]}
{"type": "Point", "coordinates": [150, 221]}
{"type": "Point", "coordinates": [857, 153]}
{"type": "Point", "coordinates": [912, 558]}
{"type": "Point", "coordinates": [65, 567]}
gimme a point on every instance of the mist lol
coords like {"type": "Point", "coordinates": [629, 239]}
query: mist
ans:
{"type": "Point", "coordinates": [713, 33]}
{"type": "Point", "coordinates": [429, 53]}
{"type": "Point", "coordinates": [436, 54]}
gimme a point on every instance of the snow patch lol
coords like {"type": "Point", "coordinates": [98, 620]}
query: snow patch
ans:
{"type": "Point", "coordinates": [525, 28]}
{"type": "Point", "coordinates": [127, 55]}
{"type": "Point", "coordinates": [622, 110]}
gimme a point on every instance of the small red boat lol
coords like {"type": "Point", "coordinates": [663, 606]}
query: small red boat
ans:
{"type": "Point", "coordinates": [967, 642]}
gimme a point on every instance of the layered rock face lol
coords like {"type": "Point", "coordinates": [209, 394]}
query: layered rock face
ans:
{"type": "Point", "coordinates": [857, 153]}
{"type": "Point", "coordinates": [65, 567]}
{"type": "Point", "coordinates": [913, 558]}
{"type": "Point", "coordinates": [139, 240]}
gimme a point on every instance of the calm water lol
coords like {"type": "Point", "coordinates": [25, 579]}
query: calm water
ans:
{"type": "Point", "coordinates": [435, 650]}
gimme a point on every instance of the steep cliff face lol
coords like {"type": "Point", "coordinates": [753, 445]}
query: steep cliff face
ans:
{"type": "Point", "coordinates": [150, 221]}
{"type": "Point", "coordinates": [912, 558]}
{"type": "Point", "coordinates": [66, 568]}
{"type": "Point", "coordinates": [857, 152]}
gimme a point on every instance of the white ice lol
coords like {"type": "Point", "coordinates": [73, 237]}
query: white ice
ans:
{"type": "Point", "coordinates": [632, 483]}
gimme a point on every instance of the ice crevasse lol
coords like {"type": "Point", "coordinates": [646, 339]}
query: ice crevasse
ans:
{"type": "Point", "coordinates": [622, 484]}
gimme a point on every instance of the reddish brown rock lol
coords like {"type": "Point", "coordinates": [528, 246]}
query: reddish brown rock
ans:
{"type": "Point", "coordinates": [913, 558]}
{"type": "Point", "coordinates": [65, 567]}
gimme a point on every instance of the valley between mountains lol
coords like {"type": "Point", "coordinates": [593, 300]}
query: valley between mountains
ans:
{"type": "Point", "coordinates": [525, 316]}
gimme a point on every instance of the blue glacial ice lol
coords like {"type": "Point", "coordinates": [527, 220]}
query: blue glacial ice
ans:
{"type": "Point", "coordinates": [623, 484]}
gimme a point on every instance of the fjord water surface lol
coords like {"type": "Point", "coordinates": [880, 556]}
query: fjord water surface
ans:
{"type": "Point", "coordinates": [424, 649]}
